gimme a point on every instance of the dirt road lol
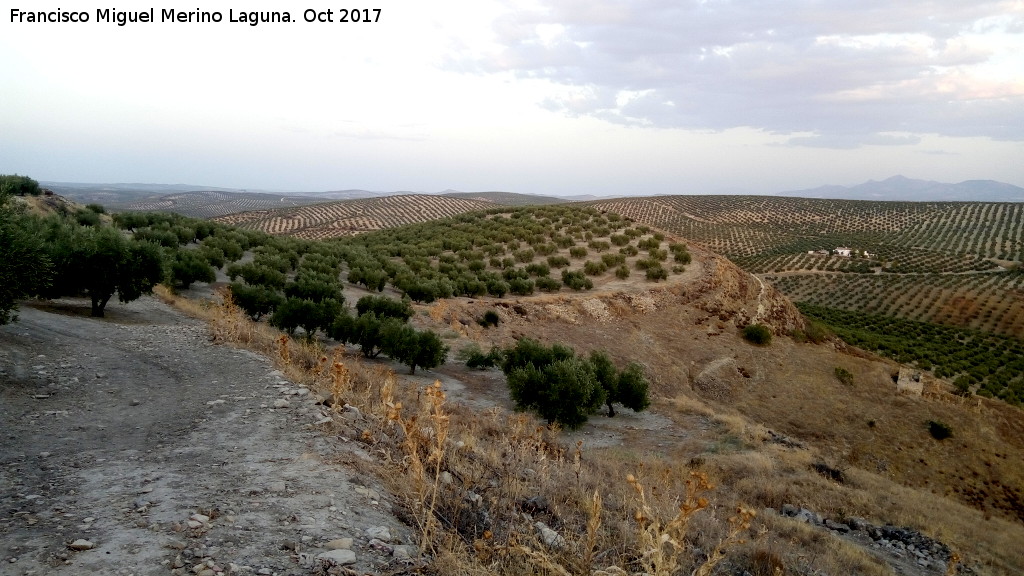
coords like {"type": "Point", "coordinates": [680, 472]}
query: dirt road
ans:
{"type": "Point", "coordinates": [131, 445]}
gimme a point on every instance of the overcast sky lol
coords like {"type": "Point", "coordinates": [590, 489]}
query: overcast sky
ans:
{"type": "Point", "coordinates": [562, 97]}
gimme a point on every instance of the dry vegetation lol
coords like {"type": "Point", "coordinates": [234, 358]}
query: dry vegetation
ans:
{"type": "Point", "coordinates": [758, 424]}
{"type": "Point", "coordinates": [350, 217]}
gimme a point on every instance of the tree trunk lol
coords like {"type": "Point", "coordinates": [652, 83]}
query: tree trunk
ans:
{"type": "Point", "coordinates": [611, 411]}
{"type": "Point", "coordinates": [98, 304]}
{"type": "Point", "coordinates": [412, 369]}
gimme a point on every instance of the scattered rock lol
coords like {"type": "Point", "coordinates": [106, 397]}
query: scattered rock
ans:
{"type": "Point", "coordinates": [281, 403]}
{"type": "Point", "coordinates": [336, 558]}
{"type": "Point", "coordinates": [339, 544]}
{"type": "Point", "coordinates": [379, 532]}
{"type": "Point", "coordinates": [81, 544]}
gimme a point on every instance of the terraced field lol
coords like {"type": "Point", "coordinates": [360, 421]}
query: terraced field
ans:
{"type": "Point", "coordinates": [351, 217]}
{"type": "Point", "coordinates": [953, 263]}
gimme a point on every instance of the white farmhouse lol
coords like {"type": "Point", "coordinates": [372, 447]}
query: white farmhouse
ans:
{"type": "Point", "coordinates": [843, 251]}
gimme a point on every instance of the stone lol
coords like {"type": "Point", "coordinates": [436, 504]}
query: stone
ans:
{"type": "Point", "coordinates": [200, 518]}
{"type": "Point", "coordinates": [281, 403]}
{"type": "Point", "coordinates": [382, 533]}
{"type": "Point", "coordinates": [337, 557]}
{"type": "Point", "coordinates": [549, 536]}
{"type": "Point", "coordinates": [81, 544]}
{"type": "Point", "coordinates": [277, 487]}
{"type": "Point", "coordinates": [380, 546]}
{"type": "Point", "coordinates": [339, 544]}
{"type": "Point", "coordinates": [404, 552]}
{"type": "Point", "coordinates": [837, 526]}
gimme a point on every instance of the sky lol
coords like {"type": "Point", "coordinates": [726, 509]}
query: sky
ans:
{"type": "Point", "coordinates": [566, 97]}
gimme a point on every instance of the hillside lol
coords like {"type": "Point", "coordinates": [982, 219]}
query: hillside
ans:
{"type": "Point", "coordinates": [350, 217]}
{"type": "Point", "coordinates": [954, 263]}
{"type": "Point", "coordinates": [800, 455]}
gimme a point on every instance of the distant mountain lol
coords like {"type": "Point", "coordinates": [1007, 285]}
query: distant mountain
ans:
{"type": "Point", "coordinates": [907, 189]}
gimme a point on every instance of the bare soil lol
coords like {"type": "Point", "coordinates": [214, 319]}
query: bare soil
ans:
{"type": "Point", "coordinates": [118, 430]}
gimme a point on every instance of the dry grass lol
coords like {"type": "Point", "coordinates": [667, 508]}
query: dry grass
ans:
{"type": "Point", "coordinates": [476, 482]}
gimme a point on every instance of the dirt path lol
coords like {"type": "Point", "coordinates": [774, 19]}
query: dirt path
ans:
{"type": "Point", "coordinates": [118, 431]}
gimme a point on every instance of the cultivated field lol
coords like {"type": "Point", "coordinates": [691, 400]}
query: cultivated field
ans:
{"type": "Point", "coordinates": [947, 262]}
{"type": "Point", "coordinates": [351, 217]}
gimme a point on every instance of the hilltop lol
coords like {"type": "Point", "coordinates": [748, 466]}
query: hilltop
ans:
{"type": "Point", "coordinates": [349, 217]}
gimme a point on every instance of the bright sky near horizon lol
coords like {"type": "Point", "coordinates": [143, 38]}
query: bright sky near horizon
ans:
{"type": "Point", "coordinates": [606, 97]}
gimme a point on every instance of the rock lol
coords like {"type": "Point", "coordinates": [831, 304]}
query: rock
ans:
{"type": "Point", "coordinates": [549, 536]}
{"type": "Point", "coordinates": [281, 403]}
{"type": "Point", "coordinates": [837, 526]}
{"type": "Point", "coordinates": [337, 557]}
{"type": "Point", "coordinates": [379, 532]}
{"type": "Point", "coordinates": [858, 524]}
{"type": "Point", "coordinates": [805, 515]}
{"type": "Point", "coordinates": [339, 544]}
{"type": "Point", "coordinates": [81, 544]}
{"type": "Point", "coordinates": [789, 510]}
{"type": "Point", "coordinates": [404, 552]}
{"type": "Point", "coordinates": [200, 518]}
{"type": "Point", "coordinates": [277, 487]}
{"type": "Point", "coordinates": [381, 546]}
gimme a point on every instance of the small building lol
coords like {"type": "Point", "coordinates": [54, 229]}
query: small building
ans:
{"type": "Point", "coordinates": [843, 251]}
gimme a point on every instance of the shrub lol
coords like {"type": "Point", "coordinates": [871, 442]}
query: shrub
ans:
{"type": "Point", "coordinates": [18, 185]}
{"type": "Point", "coordinates": [622, 272]}
{"type": "Point", "coordinates": [844, 376]}
{"type": "Point", "coordinates": [757, 334]}
{"type": "Point", "coordinates": [578, 252]}
{"type": "Point", "coordinates": [490, 318]}
{"type": "Point", "coordinates": [939, 430]}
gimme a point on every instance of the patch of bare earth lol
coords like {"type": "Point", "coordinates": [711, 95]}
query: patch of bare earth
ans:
{"type": "Point", "coordinates": [132, 445]}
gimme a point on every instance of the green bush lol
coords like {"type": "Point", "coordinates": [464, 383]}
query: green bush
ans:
{"type": "Point", "coordinates": [490, 318]}
{"type": "Point", "coordinates": [844, 376]}
{"type": "Point", "coordinates": [18, 185]}
{"type": "Point", "coordinates": [939, 430]}
{"type": "Point", "coordinates": [757, 334]}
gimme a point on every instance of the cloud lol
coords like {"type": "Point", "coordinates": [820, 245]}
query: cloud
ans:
{"type": "Point", "coordinates": [842, 71]}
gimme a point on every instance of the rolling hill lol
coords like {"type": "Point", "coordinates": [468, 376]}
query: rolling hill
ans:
{"type": "Point", "coordinates": [350, 217]}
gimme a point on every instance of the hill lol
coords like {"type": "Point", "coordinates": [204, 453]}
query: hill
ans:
{"type": "Point", "coordinates": [350, 217]}
{"type": "Point", "coordinates": [948, 262]}
{"type": "Point", "coordinates": [507, 198]}
{"type": "Point", "coordinates": [901, 188]}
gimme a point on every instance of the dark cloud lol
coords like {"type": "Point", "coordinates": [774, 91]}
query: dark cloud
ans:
{"type": "Point", "coordinates": [847, 72]}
